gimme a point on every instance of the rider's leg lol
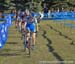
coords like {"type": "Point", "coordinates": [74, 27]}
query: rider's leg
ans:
{"type": "Point", "coordinates": [37, 27]}
{"type": "Point", "coordinates": [27, 32]}
{"type": "Point", "coordinates": [27, 40]}
{"type": "Point", "coordinates": [19, 26]}
{"type": "Point", "coordinates": [27, 44]}
{"type": "Point", "coordinates": [33, 38]}
{"type": "Point", "coordinates": [33, 30]}
{"type": "Point", "coordinates": [23, 28]}
{"type": "Point", "coordinates": [28, 36]}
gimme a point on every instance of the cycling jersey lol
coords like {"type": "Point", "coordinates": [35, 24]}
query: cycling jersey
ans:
{"type": "Point", "coordinates": [30, 24]}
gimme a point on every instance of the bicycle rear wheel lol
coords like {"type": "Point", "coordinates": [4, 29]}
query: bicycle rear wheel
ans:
{"type": "Point", "coordinates": [27, 46]}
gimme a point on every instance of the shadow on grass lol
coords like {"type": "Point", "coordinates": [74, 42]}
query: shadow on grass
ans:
{"type": "Point", "coordinates": [12, 33]}
{"type": "Point", "coordinates": [5, 52]}
{"type": "Point", "coordinates": [65, 36]}
{"type": "Point", "coordinates": [14, 36]}
{"type": "Point", "coordinates": [61, 34]}
{"type": "Point", "coordinates": [51, 49]}
{"type": "Point", "coordinates": [11, 52]}
{"type": "Point", "coordinates": [12, 43]}
{"type": "Point", "coordinates": [53, 28]}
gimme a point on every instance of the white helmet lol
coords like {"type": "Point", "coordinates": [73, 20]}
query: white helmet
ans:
{"type": "Point", "coordinates": [27, 12]}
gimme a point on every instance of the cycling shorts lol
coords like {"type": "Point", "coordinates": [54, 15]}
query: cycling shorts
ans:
{"type": "Point", "coordinates": [31, 27]}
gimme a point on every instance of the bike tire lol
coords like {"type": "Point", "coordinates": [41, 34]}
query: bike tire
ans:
{"type": "Point", "coordinates": [24, 37]}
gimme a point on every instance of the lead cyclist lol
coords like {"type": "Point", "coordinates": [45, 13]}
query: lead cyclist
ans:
{"type": "Point", "coordinates": [31, 27]}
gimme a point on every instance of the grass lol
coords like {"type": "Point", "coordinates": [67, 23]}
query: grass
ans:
{"type": "Point", "coordinates": [51, 45]}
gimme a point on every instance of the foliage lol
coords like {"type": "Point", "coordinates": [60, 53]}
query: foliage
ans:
{"type": "Point", "coordinates": [17, 4]}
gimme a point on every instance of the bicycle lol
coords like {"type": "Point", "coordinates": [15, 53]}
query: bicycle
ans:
{"type": "Point", "coordinates": [27, 43]}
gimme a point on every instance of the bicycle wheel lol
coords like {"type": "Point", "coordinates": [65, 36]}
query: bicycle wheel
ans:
{"type": "Point", "coordinates": [25, 44]}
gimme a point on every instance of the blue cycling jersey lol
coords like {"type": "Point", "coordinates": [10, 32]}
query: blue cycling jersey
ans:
{"type": "Point", "coordinates": [30, 24]}
{"type": "Point", "coordinates": [30, 19]}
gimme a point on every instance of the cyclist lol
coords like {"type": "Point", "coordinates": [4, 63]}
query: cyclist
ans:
{"type": "Point", "coordinates": [30, 26]}
{"type": "Point", "coordinates": [19, 19]}
{"type": "Point", "coordinates": [16, 22]}
{"type": "Point", "coordinates": [23, 24]}
{"type": "Point", "coordinates": [38, 17]}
